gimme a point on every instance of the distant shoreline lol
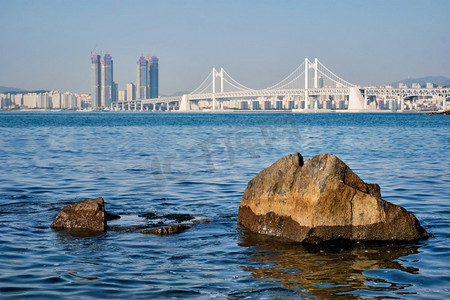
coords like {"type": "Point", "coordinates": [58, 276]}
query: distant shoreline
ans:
{"type": "Point", "coordinates": [41, 110]}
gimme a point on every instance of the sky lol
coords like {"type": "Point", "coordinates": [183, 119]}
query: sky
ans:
{"type": "Point", "coordinates": [46, 44]}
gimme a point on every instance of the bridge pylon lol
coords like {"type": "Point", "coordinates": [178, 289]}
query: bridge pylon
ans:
{"type": "Point", "coordinates": [213, 88]}
{"type": "Point", "coordinates": [306, 82]}
{"type": "Point", "coordinates": [315, 66]}
{"type": "Point", "coordinates": [316, 72]}
{"type": "Point", "coordinates": [216, 74]}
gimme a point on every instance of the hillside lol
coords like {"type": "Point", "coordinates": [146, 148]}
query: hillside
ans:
{"type": "Point", "coordinates": [6, 89]}
{"type": "Point", "coordinates": [438, 80]}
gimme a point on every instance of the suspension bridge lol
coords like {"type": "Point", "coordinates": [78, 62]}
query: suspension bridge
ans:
{"type": "Point", "coordinates": [302, 89]}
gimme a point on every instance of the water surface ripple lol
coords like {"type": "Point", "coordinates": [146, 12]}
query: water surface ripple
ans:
{"type": "Point", "coordinates": [200, 164]}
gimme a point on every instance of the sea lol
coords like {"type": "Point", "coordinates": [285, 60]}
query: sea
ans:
{"type": "Point", "coordinates": [199, 164]}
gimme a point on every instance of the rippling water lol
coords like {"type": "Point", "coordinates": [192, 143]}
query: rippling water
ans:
{"type": "Point", "coordinates": [200, 164]}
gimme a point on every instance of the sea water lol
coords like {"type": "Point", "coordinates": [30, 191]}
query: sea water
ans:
{"type": "Point", "coordinates": [200, 164]}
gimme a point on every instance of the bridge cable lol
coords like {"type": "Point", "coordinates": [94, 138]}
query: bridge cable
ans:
{"type": "Point", "coordinates": [286, 78]}
{"type": "Point", "coordinates": [198, 88]}
{"type": "Point", "coordinates": [340, 80]}
{"type": "Point", "coordinates": [243, 87]}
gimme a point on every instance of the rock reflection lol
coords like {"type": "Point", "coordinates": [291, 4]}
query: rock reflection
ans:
{"type": "Point", "coordinates": [324, 271]}
{"type": "Point", "coordinates": [82, 249]}
{"type": "Point", "coordinates": [76, 242]}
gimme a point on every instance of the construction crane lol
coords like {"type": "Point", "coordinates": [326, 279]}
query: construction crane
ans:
{"type": "Point", "coordinates": [93, 50]}
{"type": "Point", "coordinates": [150, 53]}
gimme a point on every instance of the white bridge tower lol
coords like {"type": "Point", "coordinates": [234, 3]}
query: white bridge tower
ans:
{"type": "Point", "coordinates": [216, 74]}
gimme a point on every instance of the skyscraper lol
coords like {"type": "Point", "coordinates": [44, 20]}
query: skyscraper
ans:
{"type": "Point", "coordinates": [95, 80]}
{"type": "Point", "coordinates": [107, 95]}
{"type": "Point", "coordinates": [154, 77]}
{"type": "Point", "coordinates": [115, 94]}
{"type": "Point", "coordinates": [142, 78]}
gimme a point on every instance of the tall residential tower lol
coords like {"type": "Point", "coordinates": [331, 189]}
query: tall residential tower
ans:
{"type": "Point", "coordinates": [154, 77]}
{"type": "Point", "coordinates": [142, 78]}
{"type": "Point", "coordinates": [108, 86]}
{"type": "Point", "coordinates": [95, 80]}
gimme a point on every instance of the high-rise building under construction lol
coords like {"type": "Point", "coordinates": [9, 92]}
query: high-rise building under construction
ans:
{"type": "Point", "coordinates": [154, 77]}
{"type": "Point", "coordinates": [142, 78]}
{"type": "Point", "coordinates": [95, 81]}
{"type": "Point", "coordinates": [108, 86]}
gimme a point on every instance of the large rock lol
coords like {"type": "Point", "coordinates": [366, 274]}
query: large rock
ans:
{"type": "Point", "coordinates": [88, 215]}
{"type": "Point", "coordinates": [319, 200]}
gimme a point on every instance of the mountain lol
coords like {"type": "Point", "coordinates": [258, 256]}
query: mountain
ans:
{"type": "Point", "coordinates": [5, 89]}
{"type": "Point", "coordinates": [438, 80]}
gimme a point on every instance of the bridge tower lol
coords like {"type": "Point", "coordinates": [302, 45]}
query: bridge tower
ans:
{"type": "Point", "coordinates": [220, 74]}
{"type": "Point", "coordinates": [216, 74]}
{"type": "Point", "coordinates": [315, 67]}
{"type": "Point", "coordinates": [306, 82]}
{"type": "Point", "coordinates": [316, 73]}
{"type": "Point", "coordinates": [221, 80]}
{"type": "Point", "coordinates": [213, 88]}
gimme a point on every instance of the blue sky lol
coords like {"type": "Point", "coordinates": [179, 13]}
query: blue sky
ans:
{"type": "Point", "coordinates": [46, 44]}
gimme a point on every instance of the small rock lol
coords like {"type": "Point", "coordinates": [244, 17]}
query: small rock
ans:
{"type": "Point", "coordinates": [179, 217]}
{"type": "Point", "coordinates": [321, 200]}
{"type": "Point", "coordinates": [445, 112]}
{"type": "Point", "coordinates": [130, 228]}
{"type": "Point", "coordinates": [88, 215]}
{"type": "Point", "coordinates": [172, 229]}
{"type": "Point", "coordinates": [110, 217]}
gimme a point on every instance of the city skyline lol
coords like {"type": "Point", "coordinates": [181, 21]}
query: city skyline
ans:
{"type": "Point", "coordinates": [311, 86]}
{"type": "Point", "coordinates": [368, 44]}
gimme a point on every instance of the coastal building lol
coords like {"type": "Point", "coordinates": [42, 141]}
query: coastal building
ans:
{"type": "Point", "coordinates": [29, 100]}
{"type": "Point", "coordinates": [69, 100]}
{"type": "Point", "coordinates": [394, 105]}
{"type": "Point", "coordinates": [7, 101]}
{"type": "Point", "coordinates": [55, 98]}
{"type": "Point", "coordinates": [45, 100]}
{"type": "Point", "coordinates": [115, 94]}
{"type": "Point", "coordinates": [142, 78]}
{"type": "Point", "coordinates": [107, 92]}
{"type": "Point", "coordinates": [154, 77]}
{"type": "Point", "coordinates": [320, 82]}
{"type": "Point", "coordinates": [244, 105]}
{"type": "Point", "coordinates": [17, 99]}
{"type": "Point", "coordinates": [131, 92]}
{"type": "Point", "coordinates": [278, 104]}
{"type": "Point", "coordinates": [96, 85]}
{"type": "Point", "coordinates": [122, 95]}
